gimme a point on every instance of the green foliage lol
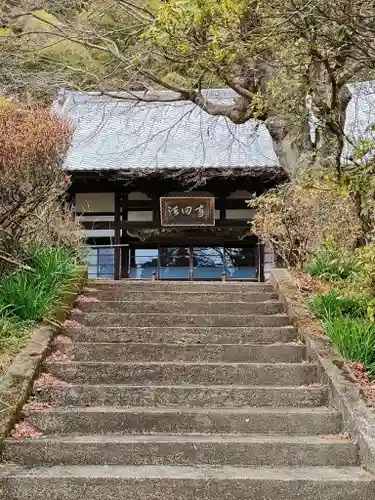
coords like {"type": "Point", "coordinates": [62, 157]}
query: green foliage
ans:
{"type": "Point", "coordinates": [28, 297]}
{"type": "Point", "coordinates": [331, 305]}
{"type": "Point", "coordinates": [349, 323]}
{"type": "Point", "coordinates": [333, 264]}
{"type": "Point", "coordinates": [31, 295]}
{"type": "Point", "coordinates": [365, 258]}
{"type": "Point", "coordinates": [359, 180]}
{"type": "Point", "coordinates": [296, 218]}
{"type": "Point", "coordinates": [354, 338]}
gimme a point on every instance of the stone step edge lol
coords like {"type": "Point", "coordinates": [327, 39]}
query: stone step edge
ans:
{"type": "Point", "coordinates": [319, 410]}
{"type": "Point", "coordinates": [206, 473]}
{"type": "Point", "coordinates": [279, 388]}
{"type": "Point", "coordinates": [176, 302]}
{"type": "Point", "coordinates": [182, 345]}
{"type": "Point", "coordinates": [178, 363]}
{"type": "Point", "coordinates": [282, 328]}
{"type": "Point", "coordinates": [214, 315]}
{"type": "Point", "coordinates": [186, 438]}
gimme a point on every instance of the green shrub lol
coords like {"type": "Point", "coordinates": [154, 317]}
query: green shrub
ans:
{"type": "Point", "coordinates": [354, 338]}
{"type": "Point", "coordinates": [332, 264]}
{"type": "Point", "coordinates": [30, 296]}
{"type": "Point", "coordinates": [331, 305]}
{"type": "Point", "coordinates": [365, 257]}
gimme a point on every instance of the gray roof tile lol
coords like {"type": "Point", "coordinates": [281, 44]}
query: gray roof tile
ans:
{"type": "Point", "coordinates": [115, 134]}
{"type": "Point", "coordinates": [118, 134]}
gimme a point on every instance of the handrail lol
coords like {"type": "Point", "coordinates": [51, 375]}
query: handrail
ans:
{"type": "Point", "coordinates": [109, 246]}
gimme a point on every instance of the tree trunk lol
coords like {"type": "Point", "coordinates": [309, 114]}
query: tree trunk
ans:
{"type": "Point", "coordinates": [315, 142]}
{"type": "Point", "coordinates": [293, 146]}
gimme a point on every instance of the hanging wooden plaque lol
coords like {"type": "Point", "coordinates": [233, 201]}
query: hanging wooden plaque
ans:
{"type": "Point", "coordinates": [187, 211]}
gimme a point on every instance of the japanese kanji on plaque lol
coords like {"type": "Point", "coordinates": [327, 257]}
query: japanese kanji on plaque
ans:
{"type": "Point", "coordinates": [186, 211]}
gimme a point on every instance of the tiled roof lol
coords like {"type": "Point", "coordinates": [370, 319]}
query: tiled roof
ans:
{"type": "Point", "coordinates": [115, 134]}
{"type": "Point", "coordinates": [122, 135]}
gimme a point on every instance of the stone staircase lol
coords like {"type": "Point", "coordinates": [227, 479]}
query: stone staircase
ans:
{"type": "Point", "coordinates": [183, 391]}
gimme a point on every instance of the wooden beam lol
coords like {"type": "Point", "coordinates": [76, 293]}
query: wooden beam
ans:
{"type": "Point", "coordinates": [95, 214]}
{"type": "Point", "coordinates": [156, 224]}
{"type": "Point", "coordinates": [98, 225]}
{"type": "Point", "coordinates": [148, 205]}
{"type": "Point", "coordinates": [104, 225]}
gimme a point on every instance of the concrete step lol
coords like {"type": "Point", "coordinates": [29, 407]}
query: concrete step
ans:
{"type": "Point", "coordinates": [152, 306]}
{"type": "Point", "coordinates": [184, 373]}
{"type": "Point", "coordinates": [288, 353]}
{"type": "Point", "coordinates": [182, 286]}
{"type": "Point", "coordinates": [105, 420]}
{"type": "Point", "coordinates": [178, 319]}
{"type": "Point", "coordinates": [117, 293]}
{"type": "Point", "coordinates": [183, 335]}
{"type": "Point", "coordinates": [250, 451]}
{"type": "Point", "coordinates": [198, 396]}
{"type": "Point", "coordinates": [187, 483]}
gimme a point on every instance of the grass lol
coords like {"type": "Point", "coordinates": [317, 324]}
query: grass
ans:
{"type": "Point", "coordinates": [30, 297]}
{"type": "Point", "coordinates": [332, 265]}
{"type": "Point", "coordinates": [354, 338]}
{"type": "Point", "coordinates": [348, 324]}
{"type": "Point", "coordinates": [332, 305]}
{"type": "Point", "coordinates": [347, 312]}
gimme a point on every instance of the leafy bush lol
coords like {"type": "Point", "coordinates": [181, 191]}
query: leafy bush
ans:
{"type": "Point", "coordinates": [331, 305]}
{"type": "Point", "coordinates": [332, 264]}
{"type": "Point", "coordinates": [31, 295]}
{"type": "Point", "coordinates": [365, 258]}
{"type": "Point", "coordinates": [32, 183]}
{"type": "Point", "coordinates": [296, 218]}
{"type": "Point", "coordinates": [354, 338]}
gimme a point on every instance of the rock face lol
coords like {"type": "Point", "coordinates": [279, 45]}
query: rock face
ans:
{"type": "Point", "coordinates": [182, 391]}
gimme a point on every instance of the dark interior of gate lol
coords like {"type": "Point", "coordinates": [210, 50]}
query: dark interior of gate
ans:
{"type": "Point", "coordinates": [157, 228]}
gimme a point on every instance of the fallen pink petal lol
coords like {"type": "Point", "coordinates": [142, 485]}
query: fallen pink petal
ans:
{"type": "Point", "coordinates": [37, 406]}
{"type": "Point", "coordinates": [63, 340]}
{"type": "Point", "coordinates": [71, 323]}
{"type": "Point", "coordinates": [59, 356]}
{"type": "Point", "coordinates": [24, 430]}
{"type": "Point", "coordinates": [337, 437]}
{"type": "Point", "coordinates": [48, 380]}
{"type": "Point", "coordinates": [87, 299]}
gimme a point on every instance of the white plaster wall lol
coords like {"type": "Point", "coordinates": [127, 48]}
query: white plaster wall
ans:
{"type": "Point", "coordinates": [136, 195]}
{"type": "Point", "coordinates": [240, 193]}
{"type": "Point", "coordinates": [97, 233]}
{"type": "Point", "coordinates": [239, 214]}
{"type": "Point", "coordinates": [140, 216]}
{"type": "Point", "coordinates": [95, 202]}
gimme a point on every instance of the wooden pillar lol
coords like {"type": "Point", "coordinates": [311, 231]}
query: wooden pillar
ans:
{"type": "Point", "coordinates": [261, 255]}
{"type": "Point", "coordinates": [117, 239]}
{"type": "Point", "coordinates": [221, 201]}
{"type": "Point", "coordinates": [124, 239]}
{"type": "Point", "coordinates": [156, 208]}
